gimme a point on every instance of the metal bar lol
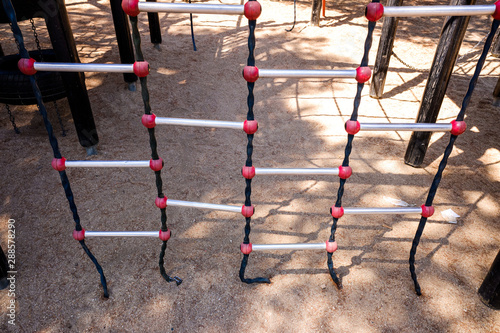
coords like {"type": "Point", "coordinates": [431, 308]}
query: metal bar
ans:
{"type": "Point", "coordinates": [195, 8]}
{"type": "Point", "coordinates": [77, 67]}
{"type": "Point", "coordinates": [106, 164]}
{"type": "Point", "coordinates": [122, 233]}
{"type": "Point", "coordinates": [304, 171]}
{"type": "Point", "coordinates": [307, 73]}
{"type": "Point", "coordinates": [298, 246]}
{"type": "Point", "coordinates": [420, 11]}
{"type": "Point", "coordinates": [198, 122]}
{"type": "Point", "coordinates": [414, 127]}
{"type": "Point", "coordinates": [202, 205]}
{"type": "Point", "coordinates": [382, 210]}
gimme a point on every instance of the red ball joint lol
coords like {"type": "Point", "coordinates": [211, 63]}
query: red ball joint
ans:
{"type": "Point", "coordinates": [27, 66]}
{"type": "Point", "coordinates": [427, 211]}
{"type": "Point", "coordinates": [363, 74]}
{"type": "Point", "coordinates": [352, 126]}
{"type": "Point", "coordinates": [250, 126]}
{"type": "Point", "coordinates": [141, 68]}
{"type": "Point", "coordinates": [331, 246]}
{"type": "Point", "coordinates": [246, 248]}
{"type": "Point", "coordinates": [248, 172]}
{"type": "Point", "coordinates": [59, 164]}
{"type": "Point", "coordinates": [345, 172]}
{"type": "Point", "coordinates": [252, 10]}
{"type": "Point", "coordinates": [251, 73]}
{"type": "Point", "coordinates": [149, 120]}
{"type": "Point", "coordinates": [156, 165]}
{"type": "Point", "coordinates": [337, 212]}
{"type": "Point", "coordinates": [247, 211]}
{"type": "Point", "coordinates": [161, 202]}
{"type": "Point", "coordinates": [131, 7]}
{"type": "Point", "coordinates": [164, 235]}
{"type": "Point", "coordinates": [496, 14]}
{"type": "Point", "coordinates": [374, 11]}
{"type": "Point", "coordinates": [458, 127]}
{"type": "Point", "coordinates": [79, 235]}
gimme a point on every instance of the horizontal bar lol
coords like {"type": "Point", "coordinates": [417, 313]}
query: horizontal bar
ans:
{"type": "Point", "coordinates": [106, 164]}
{"type": "Point", "coordinates": [298, 246]}
{"type": "Point", "coordinates": [382, 210]}
{"type": "Point", "coordinates": [202, 205]}
{"type": "Point", "coordinates": [77, 67]}
{"type": "Point", "coordinates": [307, 73]}
{"type": "Point", "coordinates": [420, 11]}
{"type": "Point", "coordinates": [415, 127]}
{"type": "Point", "coordinates": [155, 7]}
{"type": "Point", "coordinates": [198, 122]}
{"type": "Point", "coordinates": [122, 233]}
{"type": "Point", "coordinates": [304, 171]}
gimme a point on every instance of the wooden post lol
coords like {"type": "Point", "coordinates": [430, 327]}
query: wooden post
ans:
{"type": "Point", "coordinates": [154, 27]}
{"type": "Point", "coordinates": [449, 44]}
{"type": "Point", "coordinates": [122, 31]}
{"type": "Point", "coordinates": [489, 292]}
{"type": "Point", "coordinates": [384, 52]}
{"type": "Point", "coordinates": [316, 12]}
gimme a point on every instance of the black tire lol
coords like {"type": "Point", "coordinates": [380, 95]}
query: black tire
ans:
{"type": "Point", "coordinates": [15, 87]}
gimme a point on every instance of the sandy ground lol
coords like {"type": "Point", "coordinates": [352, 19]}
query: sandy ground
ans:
{"type": "Point", "coordinates": [301, 125]}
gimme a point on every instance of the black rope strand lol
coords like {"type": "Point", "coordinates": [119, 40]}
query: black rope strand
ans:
{"type": "Point", "coordinates": [248, 187]}
{"type": "Point", "coordinates": [192, 29]}
{"type": "Point", "coordinates": [447, 152]}
{"type": "Point", "coordinates": [294, 16]}
{"type": "Point", "coordinates": [136, 37]}
{"type": "Point", "coordinates": [9, 10]}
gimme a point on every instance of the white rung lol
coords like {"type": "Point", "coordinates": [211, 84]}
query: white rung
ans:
{"type": "Point", "coordinates": [122, 233]}
{"type": "Point", "coordinates": [77, 67]}
{"type": "Point", "coordinates": [382, 210]}
{"type": "Point", "coordinates": [306, 73]}
{"type": "Point", "coordinates": [421, 11]}
{"type": "Point", "coordinates": [303, 171]}
{"type": "Point", "coordinates": [202, 205]}
{"type": "Point", "coordinates": [415, 127]}
{"type": "Point", "coordinates": [107, 164]}
{"type": "Point", "coordinates": [298, 246]}
{"type": "Point", "coordinates": [195, 8]}
{"type": "Point", "coordinates": [198, 122]}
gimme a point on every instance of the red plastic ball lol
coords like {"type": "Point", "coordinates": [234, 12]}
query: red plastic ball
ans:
{"type": "Point", "coordinates": [252, 10]}
{"type": "Point", "coordinates": [427, 211]}
{"type": "Point", "coordinates": [59, 164]}
{"type": "Point", "coordinates": [79, 235]}
{"type": "Point", "coordinates": [131, 7]}
{"type": "Point", "coordinates": [141, 68]}
{"type": "Point", "coordinates": [161, 202]}
{"type": "Point", "coordinates": [458, 127]}
{"type": "Point", "coordinates": [250, 126]}
{"type": "Point", "coordinates": [496, 14]}
{"type": "Point", "coordinates": [345, 172]}
{"type": "Point", "coordinates": [331, 246]}
{"type": "Point", "coordinates": [165, 235]}
{"type": "Point", "coordinates": [156, 165]}
{"type": "Point", "coordinates": [251, 73]}
{"type": "Point", "coordinates": [246, 248]}
{"type": "Point", "coordinates": [337, 212]}
{"type": "Point", "coordinates": [352, 126]}
{"type": "Point", "coordinates": [363, 74]}
{"type": "Point", "coordinates": [247, 211]}
{"type": "Point", "coordinates": [374, 11]}
{"type": "Point", "coordinates": [248, 172]}
{"type": "Point", "coordinates": [27, 66]}
{"type": "Point", "coordinates": [148, 120]}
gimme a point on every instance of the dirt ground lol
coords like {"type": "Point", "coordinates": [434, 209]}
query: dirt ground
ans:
{"type": "Point", "coordinates": [301, 125]}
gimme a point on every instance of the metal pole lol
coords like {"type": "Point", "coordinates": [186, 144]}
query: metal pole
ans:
{"type": "Point", "coordinates": [421, 11]}
{"type": "Point", "coordinates": [382, 210]}
{"type": "Point", "coordinates": [122, 233]}
{"type": "Point", "coordinates": [304, 171]}
{"type": "Point", "coordinates": [416, 127]}
{"type": "Point", "coordinates": [72, 67]}
{"type": "Point", "coordinates": [106, 164]}
{"type": "Point", "coordinates": [307, 73]}
{"type": "Point", "coordinates": [154, 7]}
{"type": "Point", "coordinates": [198, 122]}
{"type": "Point", "coordinates": [298, 246]}
{"type": "Point", "coordinates": [202, 205]}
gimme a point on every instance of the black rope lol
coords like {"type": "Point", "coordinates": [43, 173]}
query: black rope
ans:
{"type": "Point", "coordinates": [294, 16]}
{"type": "Point", "coordinates": [192, 29]}
{"type": "Point", "coordinates": [348, 149]}
{"type": "Point", "coordinates": [136, 37]}
{"type": "Point", "coordinates": [248, 187]}
{"type": "Point", "coordinates": [447, 152]}
{"type": "Point", "coordinates": [12, 119]}
{"type": "Point", "coordinates": [9, 10]}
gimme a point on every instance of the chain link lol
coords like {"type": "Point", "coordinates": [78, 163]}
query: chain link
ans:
{"type": "Point", "coordinates": [12, 119]}
{"type": "Point", "coordinates": [37, 40]}
{"type": "Point", "coordinates": [15, 39]}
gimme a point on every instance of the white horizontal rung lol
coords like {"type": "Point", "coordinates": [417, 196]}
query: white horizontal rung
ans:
{"type": "Point", "coordinates": [415, 127]}
{"type": "Point", "coordinates": [306, 73]}
{"type": "Point", "coordinates": [198, 122]}
{"type": "Point", "coordinates": [155, 7]}
{"type": "Point", "coordinates": [420, 11]}
{"type": "Point", "coordinates": [77, 67]}
{"type": "Point", "coordinates": [382, 210]}
{"type": "Point", "coordinates": [202, 205]}
{"type": "Point", "coordinates": [106, 164]}
{"type": "Point", "coordinates": [121, 233]}
{"type": "Point", "coordinates": [302, 171]}
{"type": "Point", "coordinates": [298, 246]}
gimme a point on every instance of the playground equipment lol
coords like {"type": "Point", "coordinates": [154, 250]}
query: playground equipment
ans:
{"type": "Point", "coordinates": [251, 73]}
